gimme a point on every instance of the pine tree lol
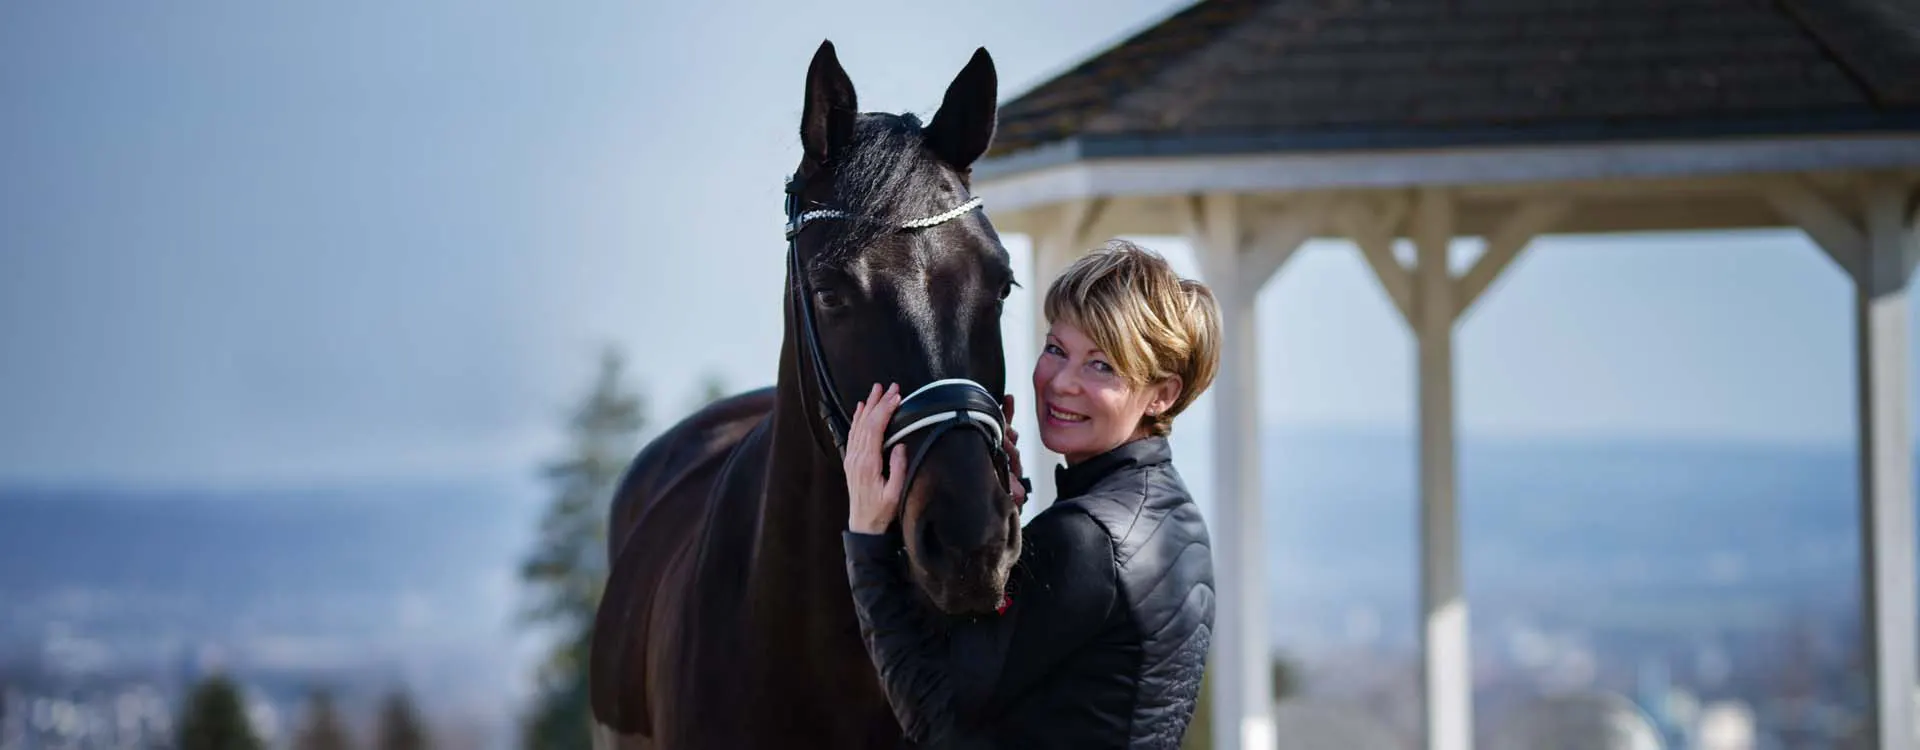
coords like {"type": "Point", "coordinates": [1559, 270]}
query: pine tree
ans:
{"type": "Point", "coordinates": [400, 727]}
{"type": "Point", "coordinates": [712, 388]}
{"type": "Point", "coordinates": [215, 718]}
{"type": "Point", "coordinates": [567, 569]}
{"type": "Point", "coordinates": [322, 728]}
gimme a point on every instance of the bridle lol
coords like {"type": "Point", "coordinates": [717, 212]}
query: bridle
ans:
{"type": "Point", "coordinates": [935, 408]}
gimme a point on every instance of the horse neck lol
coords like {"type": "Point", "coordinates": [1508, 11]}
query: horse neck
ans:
{"type": "Point", "coordinates": [798, 558]}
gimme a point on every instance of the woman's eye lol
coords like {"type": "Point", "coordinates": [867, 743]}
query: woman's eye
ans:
{"type": "Point", "coordinates": [1102, 367]}
{"type": "Point", "coordinates": [1055, 351]}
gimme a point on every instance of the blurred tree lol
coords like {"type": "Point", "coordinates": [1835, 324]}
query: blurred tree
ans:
{"type": "Point", "coordinates": [399, 726]}
{"type": "Point", "coordinates": [1286, 677]}
{"type": "Point", "coordinates": [321, 729]}
{"type": "Point", "coordinates": [215, 718]}
{"type": "Point", "coordinates": [712, 388]}
{"type": "Point", "coordinates": [567, 569]}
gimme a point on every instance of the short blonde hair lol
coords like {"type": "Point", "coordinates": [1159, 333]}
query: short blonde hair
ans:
{"type": "Point", "coordinates": [1152, 323]}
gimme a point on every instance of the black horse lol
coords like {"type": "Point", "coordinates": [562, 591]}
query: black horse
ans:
{"type": "Point", "coordinates": [726, 620]}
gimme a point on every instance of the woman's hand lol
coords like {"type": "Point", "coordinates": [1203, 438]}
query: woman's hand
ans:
{"type": "Point", "coordinates": [872, 500]}
{"type": "Point", "coordinates": [1012, 446]}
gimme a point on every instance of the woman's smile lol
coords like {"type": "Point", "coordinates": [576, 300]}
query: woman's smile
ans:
{"type": "Point", "coordinates": [1058, 417]}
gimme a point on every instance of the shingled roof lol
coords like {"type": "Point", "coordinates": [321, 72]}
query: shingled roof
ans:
{"type": "Point", "coordinates": [1274, 75]}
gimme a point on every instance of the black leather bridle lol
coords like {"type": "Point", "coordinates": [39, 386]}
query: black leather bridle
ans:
{"type": "Point", "coordinates": [935, 408]}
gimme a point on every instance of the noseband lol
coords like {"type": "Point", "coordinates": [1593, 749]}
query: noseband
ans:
{"type": "Point", "coordinates": [934, 408]}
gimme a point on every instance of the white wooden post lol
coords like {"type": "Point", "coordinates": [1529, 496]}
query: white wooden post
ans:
{"type": "Point", "coordinates": [1432, 300]}
{"type": "Point", "coordinates": [1879, 258]}
{"type": "Point", "coordinates": [1886, 461]}
{"type": "Point", "coordinates": [1053, 250]}
{"type": "Point", "coordinates": [1449, 680]}
{"type": "Point", "coordinates": [1242, 697]}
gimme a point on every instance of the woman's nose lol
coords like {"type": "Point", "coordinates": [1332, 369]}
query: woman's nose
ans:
{"type": "Point", "coordinates": [1063, 381]}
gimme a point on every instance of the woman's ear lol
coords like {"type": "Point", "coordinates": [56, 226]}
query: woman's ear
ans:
{"type": "Point", "coordinates": [1165, 393]}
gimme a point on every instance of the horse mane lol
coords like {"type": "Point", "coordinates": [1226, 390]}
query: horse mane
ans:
{"type": "Point", "coordinates": [883, 175]}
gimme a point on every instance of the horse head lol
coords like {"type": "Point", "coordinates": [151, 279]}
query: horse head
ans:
{"type": "Point", "coordinates": [895, 276]}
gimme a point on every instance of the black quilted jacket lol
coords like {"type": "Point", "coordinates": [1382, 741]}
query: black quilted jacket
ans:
{"type": "Point", "coordinates": [1103, 643]}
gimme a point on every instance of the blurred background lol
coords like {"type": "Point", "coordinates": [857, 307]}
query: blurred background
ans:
{"type": "Point", "coordinates": [323, 328]}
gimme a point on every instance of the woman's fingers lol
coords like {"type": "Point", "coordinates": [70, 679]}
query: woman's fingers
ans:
{"type": "Point", "coordinates": [872, 403]}
{"type": "Point", "coordinates": [856, 437]}
{"type": "Point", "coordinates": [898, 471]}
{"type": "Point", "coordinates": [877, 408]}
{"type": "Point", "coordinates": [868, 425]}
{"type": "Point", "coordinates": [859, 437]}
{"type": "Point", "coordinates": [884, 404]}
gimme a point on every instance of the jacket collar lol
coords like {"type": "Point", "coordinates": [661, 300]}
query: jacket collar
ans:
{"type": "Point", "coordinates": [1074, 481]}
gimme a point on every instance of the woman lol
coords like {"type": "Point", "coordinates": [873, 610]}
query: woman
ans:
{"type": "Point", "coordinates": [1105, 638]}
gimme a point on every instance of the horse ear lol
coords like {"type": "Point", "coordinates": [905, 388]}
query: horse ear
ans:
{"type": "Point", "coordinates": [826, 122]}
{"type": "Point", "coordinates": [963, 127]}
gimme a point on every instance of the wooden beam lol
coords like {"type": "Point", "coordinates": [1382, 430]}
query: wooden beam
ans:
{"type": "Point", "coordinates": [1140, 215]}
{"type": "Point", "coordinates": [1393, 208]}
{"type": "Point", "coordinates": [1214, 226]}
{"type": "Point", "coordinates": [1889, 232]}
{"type": "Point", "coordinates": [1193, 212]}
{"type": "Point", "coordinates": [1912, 239]}
{"type": "Point", "coordinates": [1018, 182]}
{"type": "Point", "coordinates": [1077, 220]}
{"type": "Point", "coordinates": [1622, 215]}
{"type": "Point", "coordinates": [1277, 237]}
{"type": "Point", "coordinates": [1027, 221]}
{"type": "Point", "coordinates": [1675, 187]}
{"type": "Point", "coordinates": [1829, 228]}
{"type": "Point", "coordinates": [1370, 232]}
{"type": "Point", "coordinates": [1533, 218]}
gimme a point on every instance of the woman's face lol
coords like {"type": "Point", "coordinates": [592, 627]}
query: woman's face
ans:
{"type": "Point", "coordinates": [1084, 406]}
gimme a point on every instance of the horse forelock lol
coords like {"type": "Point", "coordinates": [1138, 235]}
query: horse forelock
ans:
{"type": "Point", "coordinates": [886, 176]}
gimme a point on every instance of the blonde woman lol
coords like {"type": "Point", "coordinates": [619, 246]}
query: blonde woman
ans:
{"type": "Point", "coordinates": [1104, 638]}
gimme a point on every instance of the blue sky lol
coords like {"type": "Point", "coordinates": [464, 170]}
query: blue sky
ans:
{"type": "Point", "coordinates": [246, 243]}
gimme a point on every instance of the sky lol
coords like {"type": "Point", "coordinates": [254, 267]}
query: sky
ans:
{"type": "Point", "coordinates": [286, 243]}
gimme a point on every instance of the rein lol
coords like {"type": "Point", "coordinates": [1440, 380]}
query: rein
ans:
{"type": "Point", "coordinates": [934, 408]}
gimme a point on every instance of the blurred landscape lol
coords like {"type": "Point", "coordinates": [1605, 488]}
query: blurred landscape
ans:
{"type": "Point", "coordinates": [1678, 574]}
{"type": "Point", "coordinates": [119, 599]}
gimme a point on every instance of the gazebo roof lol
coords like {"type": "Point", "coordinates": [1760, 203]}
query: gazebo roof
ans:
{"type": "Point", "coordinates": [1239, 76]}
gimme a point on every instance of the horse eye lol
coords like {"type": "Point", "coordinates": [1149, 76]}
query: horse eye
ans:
{"type": "Point", "coordinates": [829, 299]}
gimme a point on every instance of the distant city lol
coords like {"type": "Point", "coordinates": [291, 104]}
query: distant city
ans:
{"type": "Point", "coordinates": [1712, 588]}
{"type": "Point", "coordinates": [1715, 589]}
{"type": "Point", "coordinates": [119, 600]}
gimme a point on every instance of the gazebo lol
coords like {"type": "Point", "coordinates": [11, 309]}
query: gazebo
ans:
{"type": "Point", "coordinates": [1252, 126]}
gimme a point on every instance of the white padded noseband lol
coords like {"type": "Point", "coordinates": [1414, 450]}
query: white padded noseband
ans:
{"type": "Point", "coordinates": [987, 421]}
